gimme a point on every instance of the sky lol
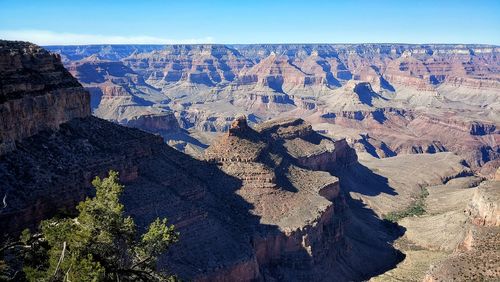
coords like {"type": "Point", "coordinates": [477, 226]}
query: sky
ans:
{"type": "Point", "coordinates": [73, 22]}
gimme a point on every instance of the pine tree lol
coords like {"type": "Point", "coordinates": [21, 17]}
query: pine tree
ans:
{"type": "Point", "coordinates": [100, 244]}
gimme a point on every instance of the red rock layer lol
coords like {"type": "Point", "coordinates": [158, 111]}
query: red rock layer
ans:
{"type": "Point", "coordinates": [37, 93]}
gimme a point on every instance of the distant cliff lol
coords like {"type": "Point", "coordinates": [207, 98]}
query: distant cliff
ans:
{"type": "Point", "coordinates": [287, 66]}
{"type": "Point", "coordinates": [389, 99]}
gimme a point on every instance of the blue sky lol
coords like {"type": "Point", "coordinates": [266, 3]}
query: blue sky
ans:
{"type": "Point", "coordinates": [195, 21]}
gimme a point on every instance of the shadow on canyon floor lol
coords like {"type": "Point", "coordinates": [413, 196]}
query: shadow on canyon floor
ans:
{"type": "Point", "coordinates": [218, 232]}
{"type": "Point", "coordinates": [183, 137]}
{"type": "Point", "coordinates": [359, 178]}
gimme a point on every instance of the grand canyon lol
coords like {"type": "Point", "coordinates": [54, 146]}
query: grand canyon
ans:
{"type": "Point", "coordinates": [288, 162]}
{"type": "Point", "coordinates": [386, 100]}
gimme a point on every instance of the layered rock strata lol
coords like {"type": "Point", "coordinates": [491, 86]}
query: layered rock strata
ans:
{"type": "Point", "coordinates": [399, 98]}
{"type": "Point", "coordinates": [37, 93]}
{"type": "Point", "coordinates": [305, 205]}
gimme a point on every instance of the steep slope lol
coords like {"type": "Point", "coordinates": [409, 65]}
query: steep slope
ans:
{"type": "Point", "coordinates": [476, 257]}
{"type": "Point", "coordinates": [320, 236]}
{"type": "Point", "coordinates": [120, 95]}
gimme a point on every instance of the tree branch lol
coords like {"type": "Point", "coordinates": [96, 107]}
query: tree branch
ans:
{"type": "Point", "coordinates": [61, 258]}
{"type": "Point", "coordinates": [141, 262]}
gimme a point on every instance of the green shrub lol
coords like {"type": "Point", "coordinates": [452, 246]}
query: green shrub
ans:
{"type": "Point", "coordinates": [416, 208]}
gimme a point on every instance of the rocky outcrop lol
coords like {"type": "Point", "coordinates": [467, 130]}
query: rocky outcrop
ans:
{"type": "Point", "coordinates": [477, 257]}
{"type": "Point", "coordinates": [477, 128]}
{"type": "Point", "coordinates": [37, 93]}
{"type": "Point", "coordinates": [484, 208]}
{"type": "Point", "coordinates": [276, 163]}
{"type": "Point", "coordinates": [164, 123]}
{"type": "Point", "coordinates": [326, 154]}
{"type": "Point", "coordinates": [475, 260]}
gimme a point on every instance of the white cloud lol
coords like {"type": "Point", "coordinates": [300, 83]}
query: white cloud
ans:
{"type": "Point", "coordinates": [46, 37]}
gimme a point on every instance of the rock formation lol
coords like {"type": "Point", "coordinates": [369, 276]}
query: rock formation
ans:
{"type": "Point", "coordinates": [394, 98]}
{"type": "Point", "coordinates": [307, 206]}
{"type": "Point", "coordinates": [484, 207]}
{"type": "Point", "coordinates": [437, 202]}
{"type": "Point", "coordinates": [37, 93]}
{"type": "Point", "coordinates": [477, 257]}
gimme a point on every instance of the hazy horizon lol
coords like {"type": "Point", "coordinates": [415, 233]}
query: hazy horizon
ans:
{"type": "Point", "coordinates": [284, 43]}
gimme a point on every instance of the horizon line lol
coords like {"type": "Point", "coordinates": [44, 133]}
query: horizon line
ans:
{"type": "Point", "coordinates": [234, 44]}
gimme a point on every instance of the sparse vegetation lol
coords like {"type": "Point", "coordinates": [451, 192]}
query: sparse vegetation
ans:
{"type": "Point", "coordinates": [100, 244]}
{"type": "Point", "coordinates": [416, 208]}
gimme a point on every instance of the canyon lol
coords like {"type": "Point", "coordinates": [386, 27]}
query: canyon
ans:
{"type": "Point", "coordinates": [274, 162]}
{"type": "Point", "coordinates": [385, 99]}
{"type": "Point", "coordinates": [251, 213]}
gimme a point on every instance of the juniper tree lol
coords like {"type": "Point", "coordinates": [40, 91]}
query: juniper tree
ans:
{"type": "Point", "coordinates": [100, 244]}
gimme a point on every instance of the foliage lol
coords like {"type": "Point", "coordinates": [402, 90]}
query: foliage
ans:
{"type": "Point", "coordinates": [100, 244]}
{"type": "Point", "coordinates": [416, 208]}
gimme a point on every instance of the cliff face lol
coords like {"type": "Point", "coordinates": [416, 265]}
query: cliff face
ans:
{"type": "Point", "coordinates": [387, 132]}
{"type": "Point", "coordinates": [484, 207]}
{"type": "Point", "coordinates": [254, 211]}
{"type": "Point", "coordinates": [37, 93]}
{"type": "Point", "coordinates": [117, 94]}
{"type": "Point", "coordinates": [477, 257]}
{"type": "Point", "coordinates": [291, 67]}
{"type": "Point", "coordinates": [52, 170]}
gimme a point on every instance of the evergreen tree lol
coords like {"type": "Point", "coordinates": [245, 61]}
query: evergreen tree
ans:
{"type": "Point", "coordinates": [100, 244]}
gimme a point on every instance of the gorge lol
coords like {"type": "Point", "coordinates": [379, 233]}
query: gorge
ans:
{"type": "Point", "coordinates": [284, 160]}
{"type": "Point", "coordinates": [388, 99]}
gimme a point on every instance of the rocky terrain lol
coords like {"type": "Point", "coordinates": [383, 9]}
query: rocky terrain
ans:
{"type": "Point", "coordinates": [391, 99]}
{"type": "Point", "coordinates": [254, 208]}
{"type": "Point", "coordinates": [477, 256]}
{"type": "Point", "coordinates": [386, 175]}
{"type": "Point", "coordinates": [450, 240]}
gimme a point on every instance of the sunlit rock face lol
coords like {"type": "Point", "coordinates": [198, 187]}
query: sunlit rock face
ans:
{"type": "Point", "coordinates": [385, 99]}
{"type": "Point", "coordinates": [37, 93]}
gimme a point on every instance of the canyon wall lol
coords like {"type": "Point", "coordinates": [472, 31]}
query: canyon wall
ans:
{"type": "Point", "coordinates": [484, 208]}
{"type": "Point", "coordinates": [385, 99]}
{"type": "Point", "coordinates": [37, 93]}
{"type": "Point", "coordinates": [476, 257]}
{"type": "Point", "coordinates": [301, 66]}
